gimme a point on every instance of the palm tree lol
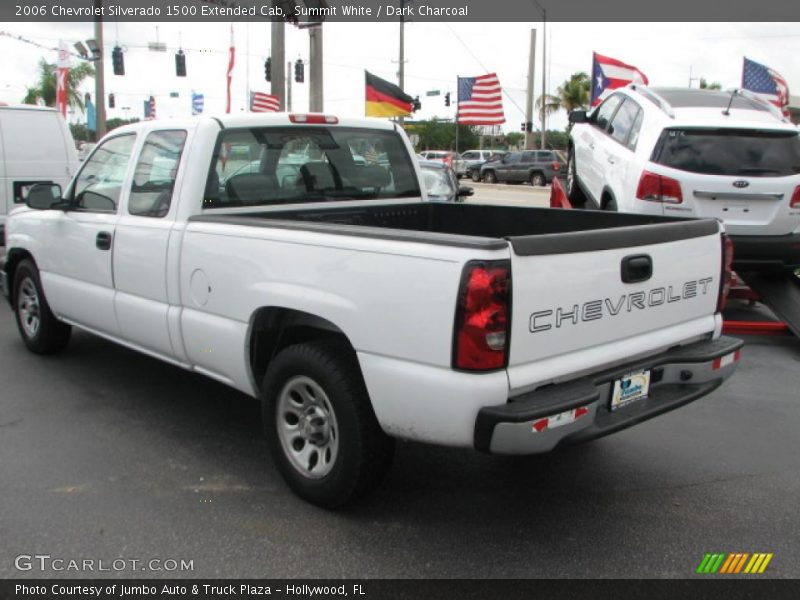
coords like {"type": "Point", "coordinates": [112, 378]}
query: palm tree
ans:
{"type": "Point", "coordinates": [570, 95]}
{"type": "Point", "coordinates": [45, 88]}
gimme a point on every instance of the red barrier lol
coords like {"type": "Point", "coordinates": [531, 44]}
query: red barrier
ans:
{"type": "Point", "coordinates": [558, 195]}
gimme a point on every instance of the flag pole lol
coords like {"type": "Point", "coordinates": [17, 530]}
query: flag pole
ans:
{"type": "Point", "coordinates": [456, 118]}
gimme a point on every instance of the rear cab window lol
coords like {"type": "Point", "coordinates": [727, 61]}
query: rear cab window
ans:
{"type": "Point", "coordinates": [734, 152]}
{"type": "Point", "coordinates": [282, 165]}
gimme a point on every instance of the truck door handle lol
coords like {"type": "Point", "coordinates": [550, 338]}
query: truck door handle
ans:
{"type": "Point", "coordinates": [612, 160]}
{"type": "Point", "coordinates": [591, 145]}
{"type": "Point", "coordinates": [103, 241]}
{"type": "Point", "coordinates": [636, 268]}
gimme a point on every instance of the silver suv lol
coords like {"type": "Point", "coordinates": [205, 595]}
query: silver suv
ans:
{"type": "Point", "coordinates": [694, 153]}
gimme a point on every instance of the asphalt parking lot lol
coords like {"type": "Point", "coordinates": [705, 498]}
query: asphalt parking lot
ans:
{"type": "Point", "coordinates": [105, 453]}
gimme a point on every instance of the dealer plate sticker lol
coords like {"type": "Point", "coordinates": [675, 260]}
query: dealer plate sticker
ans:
{"type": "Point", "coordinates": [632, 387]}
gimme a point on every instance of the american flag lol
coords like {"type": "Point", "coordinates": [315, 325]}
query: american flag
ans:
{"type": "Point", "coordinates": [198, 103]}
{"type": "Point", "coordinates": [229, 75]}
{"type": "Point", "coordinates": [767, 83]}
{"type": "Point", "coordinates": [609, 74]}
{"type": "Point", "coordinates": [480, 101]}
{"type": "Point", "coordinates": [150, 109]}
{"type": "Point", "coordinates": [264, 102]}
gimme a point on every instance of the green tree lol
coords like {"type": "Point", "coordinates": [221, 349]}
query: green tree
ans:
{"type": "Point", "coordinates": [514, 138]}
{"type": "Point", "coordinates": [441, 135]}
{"type": "Point", "coordinates": [45, 87]}
{"type": "Point", "coordinates": [705, 85]}
{"type": "Point", "coordinates": [114, 123]}
{"type": "Point", "coordinates": [570, 95]}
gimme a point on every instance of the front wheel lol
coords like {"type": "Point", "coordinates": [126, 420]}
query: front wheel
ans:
{"type": "Point", "coordinates": [321, 430]}
{"type": "Point", "coordinates": [574, 192]}
{"type": "Point", "coordinates": [489, 177]}
{"type": "Point", "coordinates": [476, 176]}
{"type": "Point", "coordinates": [41, 331]}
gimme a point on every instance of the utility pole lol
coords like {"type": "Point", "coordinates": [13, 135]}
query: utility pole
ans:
{"type": "Point", "coordinates": [401, 71]}
{"type": "Point", "coordinates": [315, 98]}
{"type": "Point", "coordinates": [529, 106]}
{"type": "Point", "coordinates": [544, 76]}
{"type": "Point", "coordinates": [99, 79]}
{"type": "Point", "coordinates": [278, 61]}
{"type": "Point", "coordinates": [289, 86]}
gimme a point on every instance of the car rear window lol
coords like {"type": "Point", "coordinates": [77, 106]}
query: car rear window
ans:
{"type": "Point", "coordinates": [730, 152]}
{"type": "Point", "coordinates": [275, 165]}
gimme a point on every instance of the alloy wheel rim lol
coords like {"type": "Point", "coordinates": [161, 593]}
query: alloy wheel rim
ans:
{"type": "Point", "coordinates": [29, 308]}
{"type": "Point", "coordinates": [307, 427]}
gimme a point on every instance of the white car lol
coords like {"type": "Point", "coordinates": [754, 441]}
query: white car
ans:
{"type": "Point", "coordinates": [694, 153]}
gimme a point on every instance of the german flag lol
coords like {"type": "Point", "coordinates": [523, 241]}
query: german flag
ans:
{"type": "Point", "coordinates": [385, 99]}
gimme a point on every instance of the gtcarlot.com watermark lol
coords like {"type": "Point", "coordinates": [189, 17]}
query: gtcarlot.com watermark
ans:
{"type": "Point", "coordinates": [49, 564]}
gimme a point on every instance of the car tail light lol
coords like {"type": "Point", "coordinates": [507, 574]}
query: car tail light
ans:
{"type": "Point", "coordinates": [727, 272]}
{"type": "Point", "coordinates": [556, 166]}
{"type": "Point", "coordinates": [314, 119]}
{"type": "Point", "coordinates": [481, 334]}
{"type": "Point", "coordinates": [657, 188]}
{"type": "Point", "coordinates": [795, 201]}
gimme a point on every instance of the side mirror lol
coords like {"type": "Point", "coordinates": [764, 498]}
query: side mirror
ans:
{"type": "Point", "coordinates": [464, 191]}
{"type": "Point", "coordinates": [42, 196]}
{"type": "Point", "coordinates": [577, 116]}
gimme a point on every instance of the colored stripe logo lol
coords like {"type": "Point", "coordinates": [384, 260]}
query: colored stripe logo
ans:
{"type": "Point", "coordinates": [734, 563]}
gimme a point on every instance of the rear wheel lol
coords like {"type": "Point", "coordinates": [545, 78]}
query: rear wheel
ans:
{"type": "Point", "coordinates": [41, 331]}
{"type": "Point", "coordinates": [537, 179]}
{"type": "Point", "coordinates": [489, 177]}
{"type": "Point", "coordinates": [574, 191]}
{"type": "Point", "coordinates": [321, 430]}
{"type": "Point", "coordinates": [610, 204]}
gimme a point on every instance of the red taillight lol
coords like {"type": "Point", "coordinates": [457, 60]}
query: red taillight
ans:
{"type": "Point", "coordinates": [482, 317]}
{"type": "Point", "coordinates": [556, 166]}
{"type": "Point", "coordinates": [657, 188]}
{"type": "Point", "coordinates": [726, 273]}
{"type": "Point", "coordinates": [795, 201]}
{"type": "Point", "coordinates": [314, 119]}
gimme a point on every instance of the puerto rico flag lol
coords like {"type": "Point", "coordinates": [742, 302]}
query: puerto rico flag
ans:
{"type": "Point", "coordinates": [609, 74]}
{"type": "Point", "coordinates": [767, 83]}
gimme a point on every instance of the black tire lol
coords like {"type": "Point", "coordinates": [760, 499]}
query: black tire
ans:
{"type": "Point", "coordinates": [476, 176]}
{"type": "Point", "coordinates": [538, 180]}
{"type": "Point", "coordinates": [573, 188]}
{"type": "Point", "coordinates": [41, 331]}
{"type": "Point", "coordinates": [489, 177]}
{"type": "Point", "coordinates": [352, 452]}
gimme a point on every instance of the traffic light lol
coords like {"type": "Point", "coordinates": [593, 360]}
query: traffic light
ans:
{"type": "Point", "coordinates": [111, 101]}
{"type": "Point", "coordinates": [299, 71]}
{"type": "Point", "coordinates": [447, 99]}
{"type": "Point", "coordinates": [417, 104]}
{"type": "Point", "coordinates": [118, 60]}
{"type": "Point", "coordinates": [268, 69]}
{"type": "Point", "coordinates": [526, 126]}
{"type": "Point", "coordinates": [523, 126]}
{"type": "Point", "coordinates": [180, 64]}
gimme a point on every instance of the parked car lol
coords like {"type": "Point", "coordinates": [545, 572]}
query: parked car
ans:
{"type": "Point", "coordinates": [443, 156]}
{"type": "Point", "coordinates": [538, 167]}
{"type": "Point", "coordinates": [474, 170]}
{"type": "Point", "coordinates": [694, 153]}
{"type": "Point", "coordinates": [357, 312]}
{"type": "Point", "coordinates": [471, 158]}
{"type": "Point", "coordinates": [36, 146]}
{"type": "Point", "coordinates": [441, 184]}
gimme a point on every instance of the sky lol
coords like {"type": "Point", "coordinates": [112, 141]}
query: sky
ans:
{"type": "Point", "coordinates": [436, 53]}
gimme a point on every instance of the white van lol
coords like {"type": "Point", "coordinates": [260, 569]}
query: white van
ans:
{"type": "Point", "coordinates": [35, 146]}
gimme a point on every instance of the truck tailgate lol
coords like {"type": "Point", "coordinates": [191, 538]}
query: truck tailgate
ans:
{"type": "Point", "coordinates": [586, 299]}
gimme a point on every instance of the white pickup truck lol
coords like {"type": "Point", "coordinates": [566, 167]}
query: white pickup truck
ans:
{"type": "Point", "coordinates": [295, 258]}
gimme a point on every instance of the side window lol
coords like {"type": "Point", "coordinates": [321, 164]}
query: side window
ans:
{"type": "Point", "coordinates": [528, 157]}
{"type": "Point", "coordinates": [544, 156]}
{"type": "Point", "coordinates": [622, 123]}
{"type": "Point", "coordinates": [606, 111]}
{"type": "Point", "coordinates": [511, 159]}
{"type": "Point", "coordinates": [633, 138]}
{"type": "Point", "coordinates": [100, 181]}
{"type": "Point", "coordinates": [154, 176]}
{"type": "Point", "coordinates": [469, 156]}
